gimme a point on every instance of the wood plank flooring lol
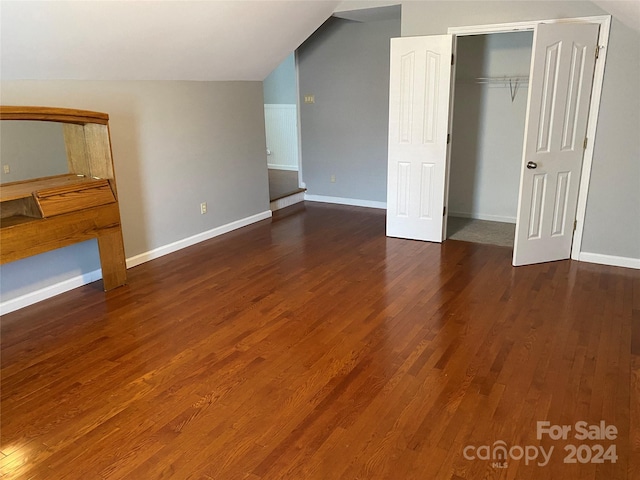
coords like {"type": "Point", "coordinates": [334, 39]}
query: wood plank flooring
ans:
{"type": "Point", "coordinates": [314, 347]}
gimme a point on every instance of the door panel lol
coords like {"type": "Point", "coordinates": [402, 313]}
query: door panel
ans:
{"type": "Point", "coordinates": [559, 92]}
{"type": "Point", "coordinates": [420, 82]}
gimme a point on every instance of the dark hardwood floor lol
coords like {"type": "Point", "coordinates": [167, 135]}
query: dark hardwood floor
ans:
{"type": "Point", "coordinates": [314, 347]}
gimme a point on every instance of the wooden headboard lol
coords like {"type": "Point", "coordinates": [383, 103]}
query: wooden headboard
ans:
{"type": "Point", "coordinates": [45, 213]}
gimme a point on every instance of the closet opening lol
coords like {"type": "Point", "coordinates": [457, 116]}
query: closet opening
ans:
{"type": "Point", "coordinates": [491, 89]}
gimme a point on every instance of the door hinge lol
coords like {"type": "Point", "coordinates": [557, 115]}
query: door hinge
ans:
{"type": "Point", "coordinates": [448, 138]}
{"type": "Point", "coordinates": [597, 51]}
{"type": "Point", "coordinates": [584, 144]}
{"type": "Point", "coordinates": [444, 210]}
{"type": "Point", "coordinates": [575, 225]}
{"type": "Point", "coordinates": [453, 59]}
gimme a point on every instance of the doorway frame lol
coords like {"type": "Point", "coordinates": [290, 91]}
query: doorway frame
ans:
{"type": "Point", "coordinates": [296, 61]}
{"type": "Point", "coordinates": [594, 105]}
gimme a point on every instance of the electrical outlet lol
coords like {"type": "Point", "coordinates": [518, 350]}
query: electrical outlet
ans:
{"type": "Point", "coordinates": [333, 179]}
{"type": "Point", "coordinates": [203, 208]}
{"type": "Point", "coordinates": [6, 169]}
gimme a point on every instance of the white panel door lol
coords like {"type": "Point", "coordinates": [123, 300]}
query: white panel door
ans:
{"type": "Point", "coordinates": [420, 83]}
{"type": "Point", "coordinates": [559, 92]}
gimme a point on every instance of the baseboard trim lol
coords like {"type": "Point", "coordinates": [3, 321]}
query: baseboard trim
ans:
{"type": "Point", "coordinates": [612, 260]}
{"type": "Point", "coordinates": [481, 216]}
{"type": "Point", "coordinates": [275, 166]}
{"type": "Point", "coordinates": [80, 280]}
{"type": "Point", "coordinates": [49, 291]}
{"type": "Point", "coordinates": [200, 237]}
{"type": "Point", "coordinates": [356, 202]}
{"type": "Point", "coordinates": [286, 201]}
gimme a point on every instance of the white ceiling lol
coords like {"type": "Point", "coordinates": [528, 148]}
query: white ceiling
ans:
{"type": "Point", "coordinates": [389, 12]}
{"type": "Point", "coordinates": [173, 40]}
{"type": "Point", "coordinates": [627, 11]}
{"type": "Point", "coordinates": [153, 40]}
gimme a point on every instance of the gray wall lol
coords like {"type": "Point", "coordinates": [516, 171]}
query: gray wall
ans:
{"type": "Point", "coordinates": [612, 223]}
{"type": "Point", "coordinates": [280, 85]}
{"type": "Point", "coordinates": [175, 145]}
{"type": "Point", "coordinates": [488, 126]}
{"type": "Point", "coordinates": [31, 150]}
{"type": "Point", "coordinates": [345, 132]}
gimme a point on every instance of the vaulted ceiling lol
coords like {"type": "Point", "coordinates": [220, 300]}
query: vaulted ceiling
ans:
{"type": "Point", "coordinates": [153, 40]}
{"type": "Point", "coordinates": [172, 40]}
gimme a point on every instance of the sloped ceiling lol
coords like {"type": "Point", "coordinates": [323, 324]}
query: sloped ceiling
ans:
{"type": "Point", "coordinates": [170, 40]}
{"type": "Point", "coordinates": [153, 40]}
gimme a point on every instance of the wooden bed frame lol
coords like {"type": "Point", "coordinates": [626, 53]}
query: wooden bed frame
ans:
{"type": "Point", "coordinates": [43, 214]}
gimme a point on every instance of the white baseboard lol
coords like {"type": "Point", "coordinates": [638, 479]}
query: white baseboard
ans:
{"type": "Point", "coordinates": [200, 237]}
{"type": "Point", "coordinates": [610, 260]}
{"type": "Point", "coordinates": [286, 201]}
{"type": "Point", "coordinates": [75, 282]}
{"type": "Point", "coordinates": [275, 166]}
{"type": "Point", "coordinates": [49, 291]}
{"type": "Point", "coordinates": [481, 216]}
{"type": "Point", "coordinates": [356, 202]}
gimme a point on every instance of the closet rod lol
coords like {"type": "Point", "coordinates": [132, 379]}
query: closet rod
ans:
{"type": "Point", "coordinates": [514, 82]}
{"type": "Point", "coordinates": [505, 79]}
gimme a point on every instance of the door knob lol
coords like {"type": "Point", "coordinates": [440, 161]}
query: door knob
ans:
{"type": "Point", "coordinates": [532, 165]}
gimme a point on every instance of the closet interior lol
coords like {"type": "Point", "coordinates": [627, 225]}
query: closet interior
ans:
{"type": "Point", "coordinates": [491, 87]}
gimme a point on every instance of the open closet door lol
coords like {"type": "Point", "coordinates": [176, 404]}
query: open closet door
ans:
{"type": "Point", "coordinates": [559, 93]}
{"type": "Point", "coordinates": [419, 89]}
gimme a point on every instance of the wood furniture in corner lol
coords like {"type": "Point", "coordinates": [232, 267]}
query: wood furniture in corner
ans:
{"type": "Point", "coordinates": [43, 214]}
